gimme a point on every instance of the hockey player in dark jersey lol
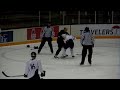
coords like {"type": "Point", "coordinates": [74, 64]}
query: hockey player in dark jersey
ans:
{"type": "Point", "coordinates": [60, 41]}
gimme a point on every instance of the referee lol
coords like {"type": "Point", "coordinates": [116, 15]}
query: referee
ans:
{"type": "Point", "coordinates": [47, 36]}
{"type": "Point", "coordinates": [87, 41]}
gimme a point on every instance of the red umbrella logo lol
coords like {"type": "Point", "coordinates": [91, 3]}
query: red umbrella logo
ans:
{"type": "Point", "coordinates": [116, 27]}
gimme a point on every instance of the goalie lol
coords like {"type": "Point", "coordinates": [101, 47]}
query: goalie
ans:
{"type": "Point", "coordinates": [33, 67]}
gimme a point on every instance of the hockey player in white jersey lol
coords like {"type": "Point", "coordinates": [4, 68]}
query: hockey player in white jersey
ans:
{"type": "Point", "coordinates": [33, 67]}
{"type": "Point", "coordinates": [69, 43]}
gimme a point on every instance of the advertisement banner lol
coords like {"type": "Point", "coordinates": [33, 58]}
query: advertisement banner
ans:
{"type": "Point", "coordinates": [102, 30]}
{"type": "Point", "coordinates": [33, 33]}
{"type": "Point", "coordinates": [56, 30]}
{"type": "Point", "coordinates": [6, 36]}
{"type": "Point", "coordinates": [36, 33]}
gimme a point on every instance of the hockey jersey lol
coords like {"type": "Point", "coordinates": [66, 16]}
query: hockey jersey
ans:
{"type": "Point", "coordinates": [32, 66]}
{"type": "Point", "coordinates": [87, 39]}
{"type": "Point", "coordinates": [47, 32]}
{"type": "Point", "coordinates": [60, 38]}
{"type": "Point", "coordinates": [68, 37]}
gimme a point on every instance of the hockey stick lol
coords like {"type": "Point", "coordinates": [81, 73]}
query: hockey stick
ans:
{"type": "Point", "coordinates": [15, 75]}
{"type": "Point", "coordinates": [11, 76]}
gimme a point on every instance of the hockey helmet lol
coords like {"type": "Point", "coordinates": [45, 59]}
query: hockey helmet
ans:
{"type": "Point", "coordinates": [87, 29]}
{"type": "Point", "coordinates": [33, 54]}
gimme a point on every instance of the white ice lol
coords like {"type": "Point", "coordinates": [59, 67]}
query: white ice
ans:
{"type": "Point", "coordinates": [105, 61]}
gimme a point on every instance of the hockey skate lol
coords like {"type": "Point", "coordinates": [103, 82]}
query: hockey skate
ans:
{"type": "Point", "coordinates": [56, 57]}
{"type": "Point", "coordinates": [81, 64]}
{"type": "Point", "coordinates": [64, 56]}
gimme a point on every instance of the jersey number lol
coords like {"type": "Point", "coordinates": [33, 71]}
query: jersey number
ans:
{"type": "Point", "coordinates": [32, 66]}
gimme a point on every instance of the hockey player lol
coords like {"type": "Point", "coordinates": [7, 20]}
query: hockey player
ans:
{"type": "Point", "coordinates": [87, 41]}
{"type": "Point", "coordinates": [33, 67]}
{"type": "Point", "coordinates": [47, 36]}
{"type": "Point", "coordinates": [69, 43]}
{"type": "Point", "coordinates": [60, 41]}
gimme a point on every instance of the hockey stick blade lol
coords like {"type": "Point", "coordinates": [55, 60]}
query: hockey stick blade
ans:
{"type": "Point", "coordinates": [11, 76]}
{"type": "Point", "coordinates": [4, 74]}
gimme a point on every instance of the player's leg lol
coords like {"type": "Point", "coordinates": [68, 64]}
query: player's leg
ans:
{"type": "Point", "coordinates": [41, 45]}
{"type": "Point", "coordinates": [59, 49]}
{"type": "Point", "coordinates": [90, 50]}
{"type": "Point", "coordinates": [64, 50]}
{"type": "Point", "coordinates": [50, 44]}
{"type": "Point", "coordinates": [84, 52]}
{"type": "Point", "coordinates": [72, 53]}
{"type": "Point", "coordinates": [71, 45]}
{"type": "Point", "coordinates": [36, 76]}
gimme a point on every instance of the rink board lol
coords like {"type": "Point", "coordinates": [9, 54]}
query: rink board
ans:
{"type": "Point", "coordinates": [33, 34]}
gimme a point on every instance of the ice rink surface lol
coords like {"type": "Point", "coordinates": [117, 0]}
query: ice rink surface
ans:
{"type": "Point", "coordinates": [105, 61]}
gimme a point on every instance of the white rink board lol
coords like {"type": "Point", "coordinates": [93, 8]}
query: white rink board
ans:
{"type": "Point", "coordinates": [97, 29]}
{"type": "Point", "coordinates": [20, 35]}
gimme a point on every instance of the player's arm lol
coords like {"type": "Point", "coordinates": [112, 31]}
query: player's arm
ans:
{"type": "Point", "coordinates": [65, 40]}
{"type": "Point", "coordinates": [40, 66]}
{"type": "Point", "coordinates": [43, 32]}
{"type": "Point", "coordinates": [41, 69]}
{"type": "Point", "coordinates": [81, 39]}
{"type": "Point", "coordinates": [67, 33]}
{"type": "Point", "coordinates": [53, 33]}
{"type": "Point", "coordinates": [93, 40]}
{"type": "Point", "coordinates": [59, 34]}
{"type": "Point", "coordinates": [73, 37]}
{"type": "Point", "coordinates": [26, 70]}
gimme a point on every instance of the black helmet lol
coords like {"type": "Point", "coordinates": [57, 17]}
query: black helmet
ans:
{"type": "Point", "coordinates": [33, 54]}
{"type": "Point", "coordinates": [87, 29]}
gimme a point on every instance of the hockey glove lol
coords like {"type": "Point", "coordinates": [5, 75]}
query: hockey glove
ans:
{"type": "Point", "coordinates": [25, 76]}
{"type": "Point", "coordinates": [43, 74]}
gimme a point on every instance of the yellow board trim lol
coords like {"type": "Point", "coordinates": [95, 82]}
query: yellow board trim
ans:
{"type": "Point", "coordinates": [19, 43]}
{"type": "Point", "coordinates": [54, 39]}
